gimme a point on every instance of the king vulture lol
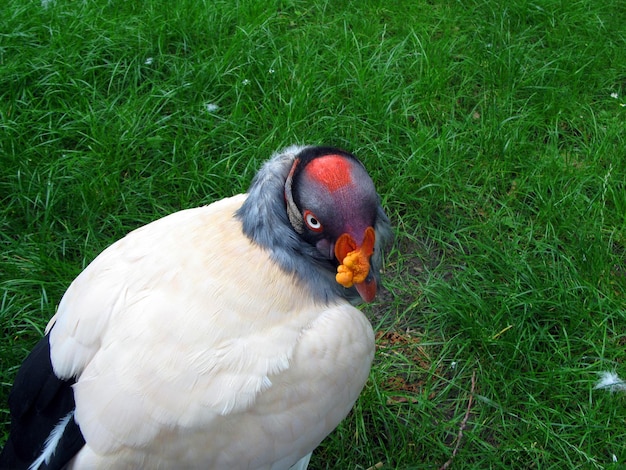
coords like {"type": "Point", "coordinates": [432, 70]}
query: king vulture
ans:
{"type": "Point", "coordinates": [219, 337]}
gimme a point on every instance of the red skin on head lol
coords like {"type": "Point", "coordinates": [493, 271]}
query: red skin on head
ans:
{"type": "Point", "coordinates": [332, 171]}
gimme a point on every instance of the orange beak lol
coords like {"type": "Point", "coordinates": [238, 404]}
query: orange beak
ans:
{"type": "Point", "coordinates": [354, 269]}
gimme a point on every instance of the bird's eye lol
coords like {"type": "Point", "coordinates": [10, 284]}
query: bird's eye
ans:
{"type": "Point", "coordinates": [312, 222]}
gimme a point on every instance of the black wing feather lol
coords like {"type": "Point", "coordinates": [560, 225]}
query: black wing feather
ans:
{"type": "Point", "coordinates": [38, 401]}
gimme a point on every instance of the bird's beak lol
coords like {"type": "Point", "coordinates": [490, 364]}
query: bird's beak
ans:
{"type": "Point", "coordinates": [367, 288]}
{"type": "Point", "coordinates": [354, 267]}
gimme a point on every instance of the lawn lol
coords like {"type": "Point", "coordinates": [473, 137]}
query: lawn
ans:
{"type": "Point", "coordinates": [493, 129]}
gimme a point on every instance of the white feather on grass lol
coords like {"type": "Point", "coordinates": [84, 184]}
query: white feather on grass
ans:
{"type": "Point", "coordinates": [611, 381]}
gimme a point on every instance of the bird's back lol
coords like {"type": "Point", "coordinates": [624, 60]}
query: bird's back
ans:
{"type": "Point", "coordinates": [190, 355]}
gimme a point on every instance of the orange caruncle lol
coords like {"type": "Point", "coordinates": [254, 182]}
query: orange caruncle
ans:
{"type": "Point", "coordinates": [354, 269]}
{"type": "Point", "coordinates": [355, 262]}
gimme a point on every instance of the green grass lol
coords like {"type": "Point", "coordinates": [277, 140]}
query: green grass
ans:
{"type": "Point", "coordinates": [490, 130]}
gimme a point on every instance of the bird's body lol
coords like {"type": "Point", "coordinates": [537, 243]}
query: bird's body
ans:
{"type": "Point", "coordinates": [194, 344]}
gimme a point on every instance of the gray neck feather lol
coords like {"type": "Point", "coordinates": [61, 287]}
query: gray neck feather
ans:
{"type": "Point", "coordinates": [265, 221]}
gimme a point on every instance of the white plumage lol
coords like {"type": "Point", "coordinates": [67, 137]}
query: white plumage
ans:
{"type": "Point", "coordinates": [192, 347]}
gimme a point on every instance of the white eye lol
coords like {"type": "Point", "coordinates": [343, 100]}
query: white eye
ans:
{"type": "Point", "coordinates": [312, 222]}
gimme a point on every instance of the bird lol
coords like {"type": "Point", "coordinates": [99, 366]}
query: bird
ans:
{"type": "Point", "coordinates": [225, 336]}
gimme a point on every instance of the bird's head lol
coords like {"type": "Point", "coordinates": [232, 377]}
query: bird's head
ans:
{"type": "Point", "coordinates": [332, 204]}
{"type": "Point", "coordinates": [324, 222]}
